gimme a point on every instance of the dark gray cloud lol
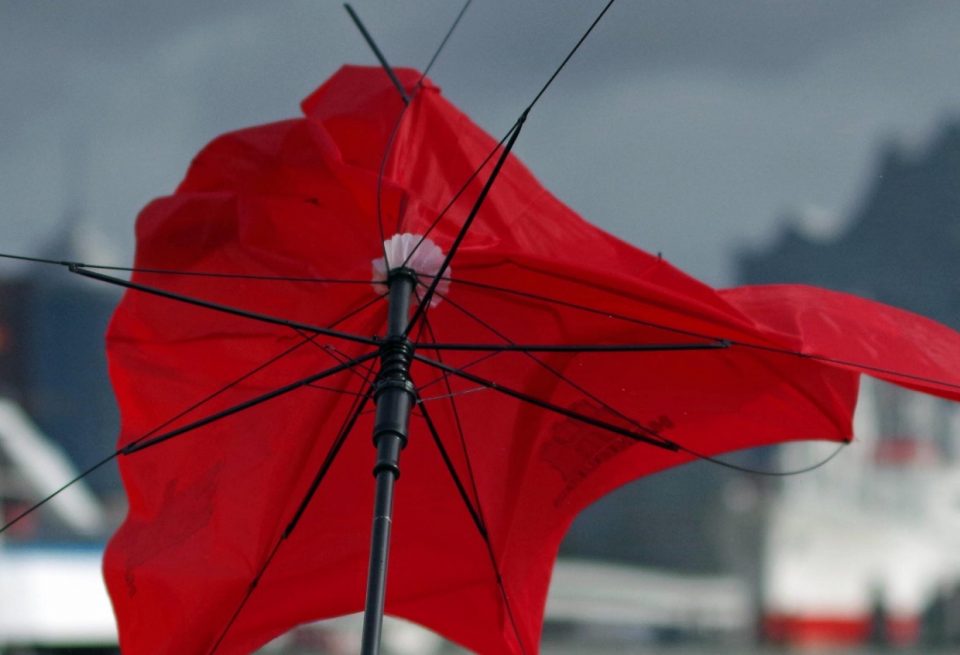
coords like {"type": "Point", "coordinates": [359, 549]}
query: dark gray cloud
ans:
{"type": "Point", "coordinates": [684, 127]}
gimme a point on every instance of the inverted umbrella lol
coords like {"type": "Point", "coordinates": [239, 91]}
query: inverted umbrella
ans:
{"type": "Point", "coordinates": [295, 280]}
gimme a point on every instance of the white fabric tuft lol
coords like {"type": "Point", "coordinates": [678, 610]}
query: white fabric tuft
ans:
{"type": "Point", "coordinates": [426, 261]}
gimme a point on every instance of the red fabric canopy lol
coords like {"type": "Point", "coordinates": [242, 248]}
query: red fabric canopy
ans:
{"type": "Point", "coordinates": [298, 200]}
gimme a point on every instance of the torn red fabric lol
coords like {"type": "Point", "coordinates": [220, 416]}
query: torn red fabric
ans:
{"type": "Point", "coordinates": [298, 200]}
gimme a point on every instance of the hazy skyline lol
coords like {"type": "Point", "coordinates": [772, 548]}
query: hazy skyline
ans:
{"type": "Point", "coordinates": [688, 128]}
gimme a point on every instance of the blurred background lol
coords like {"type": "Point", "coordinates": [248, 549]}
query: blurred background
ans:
{"type": "Point", "coordinates": [748, 142]}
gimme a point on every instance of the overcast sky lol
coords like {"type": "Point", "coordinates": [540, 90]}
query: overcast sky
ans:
{"type": "Point", "coordinates": [685, 127]}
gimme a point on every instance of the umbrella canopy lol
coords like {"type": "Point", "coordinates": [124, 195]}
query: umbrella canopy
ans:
{"type": "Point", "coordinates": [554, 364]}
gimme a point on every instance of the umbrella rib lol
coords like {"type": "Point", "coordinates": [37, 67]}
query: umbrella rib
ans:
{"type": "Point", "coordinates": [550, 369]}
{"type": "Point", "coordinates": [305, 339]}
{"type": "Point", "coordinates": [475, 172]}
{"type": "Point", "coordinates": [484, 534]}
{"type": "Point", "coordinates": [172, 271]}
{"type": "Point", "coordinates": [456, 196]}
{"type": "Point", "coordinates": [349, 421]}
{"type": "Point", "coordinates": [675, 330]}
{"type": "Point", "coordinates": [246, 596]}
{"type": "Point", "coordinates": [615, 412]}
{"type": "Point", "coordinates": [513, 130]}
{"type": "Point", "coordinates": [584, 308]}
{"type": "Point", "coordinates": [772, 474]}
{"type": "Point", "coordinates": [396, 126]}
{"type": "Point", "coordinates": [574, 347]}
{"type": "Point", "coordinates": [395, 130]}
{"type": "Point", "coordinates": [376, 51]}
{"type": "Point", "coordinates": [247, 404]}
{"type": "Point", "coordinates": [440, 378]}
{"type": "Point", "coordinates": [456, 418]}
{"type": "Point", "coordinates": [162, 425]}
{"type": "Point", "coordinates": [443, 43]}
{"type": "Point", "coordinates": [227, 276]}
{"type": "Point", "coordinates": [336, 355]}
{"type": "Point", "coordinates": [226, 309]}
{"type": "Point", "coordinates": [331, 350]}
{"type": "Point", "coordinates": [455, 394]}
{"type": "Point", "coordinates": [478, 518]}
{"type": "Point", "coordinates": [360, 403]}
{"type": "Point", "coordinates": [462, 233]}
{"type": "Point", "coordinates": [473, 482]}
{"type": "Point", "coordinates": [647, 436]}
{"type": "Point", "coordinates": [474, 514]}
{"type": "Point", "coordinates": [844, 362]}
{"type": "Point", "coordinates": [570, 54]}
{"type": "Point", "coordinates": [334, 390]}
{"type": "Point", "coordinates": [339, 356]}
{"type": "Point", "coordinates": [448, 463]}
{"type": "Point", "coordinates": [43, 501]}
{"type": "Point", "coordinates": [381, 171]}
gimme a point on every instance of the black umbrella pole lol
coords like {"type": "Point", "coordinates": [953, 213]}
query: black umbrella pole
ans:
{"type": "Point", "coordinates": [394, 396]}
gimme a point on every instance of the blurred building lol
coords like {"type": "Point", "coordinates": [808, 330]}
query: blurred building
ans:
{"type": "Point", "coordinates": [57, 417]}
{"type": "Point", "coordinates": [866, 549]}
{"type": "Point", "coordinates": [52, 356]}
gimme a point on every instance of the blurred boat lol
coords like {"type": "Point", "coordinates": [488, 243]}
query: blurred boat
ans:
{"type": "Point", "coordinates": [861, 551]}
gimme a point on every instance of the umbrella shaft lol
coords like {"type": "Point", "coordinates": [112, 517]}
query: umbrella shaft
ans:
{"type": "Point", "coordinates": [395, 396]}
{"type": "Point", "coordinates": [379, 552]}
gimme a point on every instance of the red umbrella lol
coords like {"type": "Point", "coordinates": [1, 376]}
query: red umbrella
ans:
{"type": "Point", "coordinates": [547, 365]}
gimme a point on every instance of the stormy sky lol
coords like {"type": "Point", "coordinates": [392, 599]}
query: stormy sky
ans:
{"type": "Point", "coordinates": [686, 127]}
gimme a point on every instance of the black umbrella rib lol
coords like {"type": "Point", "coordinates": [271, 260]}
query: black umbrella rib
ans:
{"type": "Point", "coordinates": [648, 436]}
{"type": "Point", "coordinates": [575, 348]}
{"type": "Point", "coordinates": [345, 429]}
{"type": "Point", "coordinates": [767, 473]}
{"type": "Point", "coordinates": [338, 356]}
{"type": "Point", "coordinates": [707, 458]}
{"type": "Point", "coordinates": [474, 514]}
{"type": "Point", "coordinates": [172, 271]}
{"type": "Point", "coordinates": [329, 349]}
{"type": "Point", "coordinates": [513, 129]}
{"type": "Point", "coordinates": [246, 596]}
{"type": "Point", "coordinates": [393, 135]}
{"type": "Point", "coordinates": [376, 51]}
{"type": "Point", "coordinates": [513, 133]}
{"type": "Point", "coordinates": [456, 196]}
{"type": "Point", "coordinates": [226, 309]}
{"type": "Point", "coordinates": [593, 397]}
{"type": "Point", "coordinates": [43, 501]}
{"type": "Point", "coordinates": [731, 342]}
{"type": "Point", "coordinates": [387, 148]}
{"type": "Point", "coordinates": [444, 378]}
{"type": "Point", "coordinates": [485, 535]}
{"type": "Point", "coordinates": [396, 127]}
{"type": "Point", "coordinates": [547, 367]}
{"type": "Point", "coordinates": [448, 463]}
{"type": "Point", "coordinates": [549, 300]}
{"type": "Point", "coordinates": [844, 362]}
{"type": "Point", "coordinates": [443, 43]}
{"type": "Point", "coordinates": [456, 414]}
{"type": "Point", "coordinates": [46, 499]}
{"type": "Point", "coordinates": [678, 447]}
{"type": "Point", "coordinates": [304, 340]}
{"type": "Point", "coordinates": [361, 402]}
{"type": "Point", "coordinates": [478, 518]}
{"type": "Point", "coordinates": [462, 233]}
{"type": "Point", "coordinates": [570, 55]}
{"type": "Point", "coordinates": [334, 390]}
{"type": "Point", "coordinates": [247, 404]}
{"type": "Point", "coordinates": [247, 277]}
